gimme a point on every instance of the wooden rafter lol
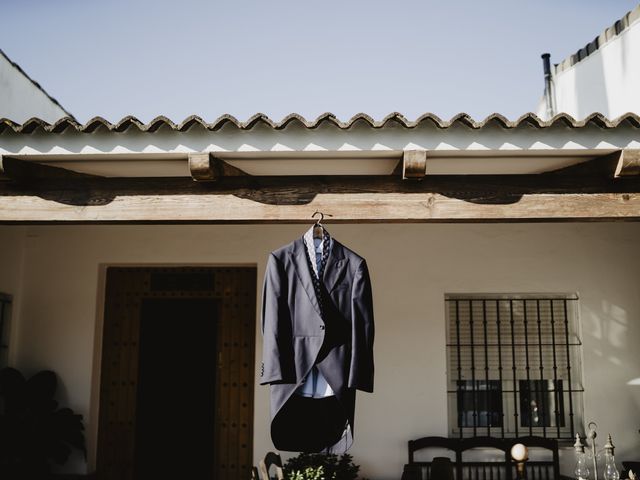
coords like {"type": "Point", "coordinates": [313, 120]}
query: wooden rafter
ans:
{"type": "Point", "coordinates": [205, 167]}
{"type": "Point", "coordinates": [414, 164]}
{"type": "Point", "coordinates": [628, 163]}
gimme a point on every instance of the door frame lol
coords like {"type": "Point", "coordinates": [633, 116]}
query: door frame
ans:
{"type": "Point", "coordinates": [92, 433]}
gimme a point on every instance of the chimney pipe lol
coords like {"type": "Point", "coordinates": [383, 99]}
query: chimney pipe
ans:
{"type": "Point", "coordinates": [548, 85]}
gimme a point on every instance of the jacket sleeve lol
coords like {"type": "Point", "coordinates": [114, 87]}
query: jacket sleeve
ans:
{"type": "Point", "coordinates": [277, 340]}
{"type": "Point", "coordinates": [362, 331]}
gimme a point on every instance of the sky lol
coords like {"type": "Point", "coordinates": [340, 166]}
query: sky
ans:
{"type": "Point", "coordinates": [176, 58]}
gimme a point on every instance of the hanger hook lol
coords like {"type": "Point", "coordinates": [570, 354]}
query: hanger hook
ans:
{"type": "Point", "coordinates": [321, 216]}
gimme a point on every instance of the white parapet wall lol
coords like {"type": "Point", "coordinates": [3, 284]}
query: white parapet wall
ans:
{"type": "Point", "coordinates": [603, 76]}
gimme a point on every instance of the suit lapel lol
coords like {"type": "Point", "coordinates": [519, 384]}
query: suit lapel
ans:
{"type": "Point", "coordinates": [335, 267]}
{"type": "Point", "coordinates": [301, 263]}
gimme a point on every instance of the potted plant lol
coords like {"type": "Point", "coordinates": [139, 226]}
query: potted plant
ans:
{"type": "Point", "coordinates": [320, 466]}
{"type": "Point", "coordinates": [34, 431]}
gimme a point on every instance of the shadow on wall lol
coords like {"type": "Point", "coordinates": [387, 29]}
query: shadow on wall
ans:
{"type": "Point", "coordinates": [80, 189]}
{"type": "Point", "coordinates": [611, 373]}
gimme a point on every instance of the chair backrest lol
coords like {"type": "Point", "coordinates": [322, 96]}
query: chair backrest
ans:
{"type": "Point", "coordinates": [488, 458]}
{"type": "Point", "coordinates": [271, 459]}
{"type": "Point", "coordinates": [422, 470]}
{"type": "Point", "coordinates": [474, 465]}
{"type": "Point", "coordinates": [445, 443]}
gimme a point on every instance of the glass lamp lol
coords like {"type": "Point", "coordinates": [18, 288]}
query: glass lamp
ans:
{"type": "Point", "coordinates": [582, 468]}
{"type": "Point", "coordinates": [610, 470]}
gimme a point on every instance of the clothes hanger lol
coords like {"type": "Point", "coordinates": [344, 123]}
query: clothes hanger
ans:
{"type": "Point", "coordinates": [318, 228]}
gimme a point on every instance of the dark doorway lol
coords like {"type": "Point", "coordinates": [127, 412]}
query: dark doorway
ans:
{"type": "Point", "coordinates": [175, 409]}
{"type": "Point", "coordinates": [177, 373]}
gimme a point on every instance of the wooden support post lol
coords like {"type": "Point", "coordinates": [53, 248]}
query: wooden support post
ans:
{"type": "Point", "coordinates": [414, 164]}
{"type": "Point", "coordinates": [628, 163]}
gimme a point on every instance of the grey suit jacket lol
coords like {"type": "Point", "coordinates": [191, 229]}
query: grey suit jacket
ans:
{"type": "Point", "coordinates": [296, 337]}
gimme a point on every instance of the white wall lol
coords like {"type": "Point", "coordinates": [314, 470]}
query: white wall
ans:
{"type": "Point", "coordinates": [412, 267]}
{"type": "Point", "coordinates": [605, 81]}
{"type": "Point", "coordinates": [20, 99]}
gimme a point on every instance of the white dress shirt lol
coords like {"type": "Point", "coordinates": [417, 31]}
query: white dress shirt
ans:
{"type": "Point", "coordinates": [315, 385]}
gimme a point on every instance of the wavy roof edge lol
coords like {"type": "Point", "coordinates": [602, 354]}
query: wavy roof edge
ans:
{"type": "Point", "coordinates": [530, 119]}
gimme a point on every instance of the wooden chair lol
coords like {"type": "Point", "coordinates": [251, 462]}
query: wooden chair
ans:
{"type": "Point", "coordinates": [499, 467]}
{"type": "Point", "coordinates": [271, 459]}
{"type": "Point", "coordinates": [422, 470]}
{"type": "Point", "coordinates": [495, 463]}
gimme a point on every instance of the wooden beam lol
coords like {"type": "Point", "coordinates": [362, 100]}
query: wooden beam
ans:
{"type": "Point", "coordinates": [351, 208]}
{"type": "Point", "coordinates": [414, 164]}
{"type": "Point", "coordinates": [205, 167]}
{"type": "Point", "coordinates": [629, 163]}
{"type": "Point", "coordinates": [348, 199]}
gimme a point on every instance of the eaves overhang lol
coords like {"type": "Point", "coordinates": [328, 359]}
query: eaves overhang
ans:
{"type": "Point", "coordinates": [324, 146]}
{"type": "Point", "coordinates": [362, 170]}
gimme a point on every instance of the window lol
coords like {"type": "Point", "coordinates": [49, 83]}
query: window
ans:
{"type": "Point", "coordinates": [513, 366]}
{"type": "Point", "coordinates": [479, 403]}
{"type": "Point", "coordinates": [5, 314]}
{"type": "Point", "coordinates": [541, 403]}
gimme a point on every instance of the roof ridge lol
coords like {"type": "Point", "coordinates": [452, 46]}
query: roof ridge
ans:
{"type": "Point", "coordinates": [608, 34]}
{"type": "Point", "coordinates": [36, 84]}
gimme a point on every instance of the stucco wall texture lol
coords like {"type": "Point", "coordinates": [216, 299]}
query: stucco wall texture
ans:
{"type": "Point", "coordinates": [56, 274]}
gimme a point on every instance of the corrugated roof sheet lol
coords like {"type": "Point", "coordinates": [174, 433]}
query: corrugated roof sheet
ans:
{"type": "Point", "coordinates": [462, 119]}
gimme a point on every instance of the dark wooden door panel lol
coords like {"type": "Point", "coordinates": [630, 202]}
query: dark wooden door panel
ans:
{"type": "Point", "coordinates": [129, 292]}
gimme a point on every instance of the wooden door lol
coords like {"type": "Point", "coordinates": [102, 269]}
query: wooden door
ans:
{"type": "Point", "coordinates": [180, 298]}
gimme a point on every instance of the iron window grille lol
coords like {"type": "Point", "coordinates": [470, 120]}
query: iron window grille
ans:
{"type": "Point", "coordinates": [5, 317]}
{"type": "Point", "coordinates": [514, 366]}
